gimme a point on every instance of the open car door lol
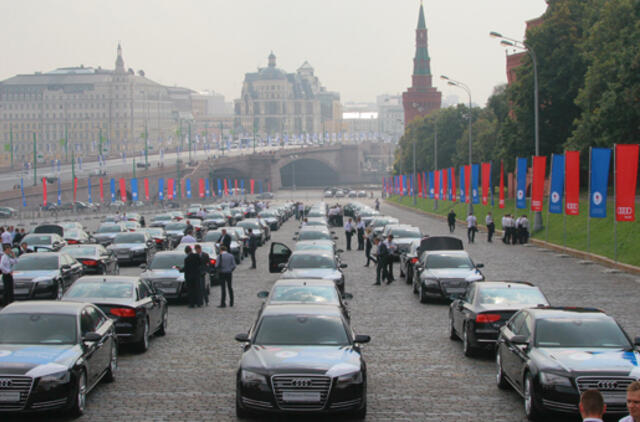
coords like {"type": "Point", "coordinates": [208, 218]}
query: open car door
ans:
{"type": "Point", "coordinates": [278, 254]}
{"type": "Point", "coordinates": [440, 243]}
{"type": "Point", "coordinates": [50, 228]}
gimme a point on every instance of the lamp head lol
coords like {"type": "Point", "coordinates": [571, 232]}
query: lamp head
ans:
{"type": "Point", "coordinates": [507, 43]}
{"type": "Point", "coordinates": [443, 77]}
{"type": "Point", "coordinates": [495, 34]}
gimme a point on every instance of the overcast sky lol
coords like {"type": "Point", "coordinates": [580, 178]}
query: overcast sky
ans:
{"type": "Point", "coordinates": [360, 48]}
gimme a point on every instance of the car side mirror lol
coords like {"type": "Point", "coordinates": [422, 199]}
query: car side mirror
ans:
{"type": "Point", "coordinates": [91, 337]}
{"type": "Point", "coordinates": [347, 296]}
{"type": "Point", "coordinates": [520, 340]}
{"type": "Point", "coordinates": [636, 341]}
{"type": "Point", "coordinates": [143, 266]}
{"type": "Point", "coordinates": [263, 294]}
{"type": "Point", "coordinates": [339, 250]}
{"type": "Point", "coordinates": [479, 265]}
{"type": "Point", "coordinates": [65, 267]}
{"type": "Point", "coordinates": [242, 338]}
{"type": "Point", "coordinates": [361, 338]}
{"type": "Point", "coordinates": [343, 265]}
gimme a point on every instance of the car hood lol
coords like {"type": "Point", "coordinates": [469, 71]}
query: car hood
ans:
{"type": "Point", "coordinates": [126, 246]}
{"type": "Point", "coordinates": [592, 360]}
{"type": "Point", "coordinates": [33, 274]}
{"type": "Point", "coordinates": [152, 274]}
{"type": "Point", "coordinates": [452, 273]}
{"type": "Point", "coordinates": [37, 360]}
{"type": "Point", "coordinates": [328, 274]}
{"type": "Point", "coordinates": [320, 360]}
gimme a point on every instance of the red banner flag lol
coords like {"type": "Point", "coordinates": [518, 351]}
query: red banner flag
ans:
{"type": "Point", "coordinates": [201, 187]}
{"type": "Point", "coordinates": [537, 187]}
{"type": "Point", "coordinates": [75, 188]}
{"type": "Point", "coordinates": [486, 177]}
{"type": "Point", "coordinates": [235, 186]}
{"type": "Point", "coordinates": [445, 184]}
{"type": "Point", "coordinates": [169, 189]}
{"type": "Point", "coordinates": [626, 173]}
{"type": "Point", "coordinates": [182, 188]}
{"type": "Point", "coordinates": [419, 181]}
{"type": "Point", "coordinates": [501, 193]}
{"type": "Point", "coordinates": [453, 184]}
{"type": "Point", "coordinates": [436, 184]}
{"type": "Point", "coordinates": [226, 187]}
{"type": "Point", "coordinates": [467, 183]}
{"type": "Point", "coordinates": [123, 190]}
{"type": "Point", "coordinates": [572, 182]}
{"type": "Point", "coordinates": [146, 189]}
{"type": "Point", "coordinates": [252, 182]}
{"type": "Point", "coordinates": [44, 192]}
{"type": "Point", "coordinates": [101, 190]}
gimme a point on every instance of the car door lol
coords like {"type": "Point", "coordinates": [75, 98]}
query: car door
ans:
{"type": "Point", "coordinates": [521, 351]}
{"type": "Point", "coordinates": [151, 306]}
{"type": "Point", "coordinates": [279, 253]}
{"type": "Point", "coordinates": [76, 268]}
{"type": "Point", "coordinates": [102, 326]}
{"type": "Point", "coordinates": [460, 309]}
{"type": "Point", "coordinates": [509, 351]}
{"type": "Point", "coordinates": [91, 355]}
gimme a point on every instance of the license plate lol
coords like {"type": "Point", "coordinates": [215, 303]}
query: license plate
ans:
{"type": "Point", "coordinates": [9, 396]}
{"type": "Point", "coordinates": [20, 291]}
{"type": "Point", "coordinates": [301, 396]}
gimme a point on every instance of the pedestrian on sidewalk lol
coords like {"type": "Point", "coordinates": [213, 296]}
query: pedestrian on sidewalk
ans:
{"type": "Point", "coordinates": [349, 229]}
{"type": "Point", "coordinates": [191, 270]}
{"type": "Point", "coordinates": [472, 227]}
{"type": "Point", "coordinates": [226, 264]}
{"type": "Point", "coordinates": [368, 246]}
{"type": "Point", "coordinates": [7, 262]}
{"type": "Point", "coordinates": [360, 229]}
{"type": "Point", "coordinates": [491, 227]}
{"type": "Point", "coordinates": [451, 220]}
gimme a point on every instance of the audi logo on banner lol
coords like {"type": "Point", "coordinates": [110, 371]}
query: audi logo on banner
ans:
{"type": "Point", "coordinates": [624, 210]}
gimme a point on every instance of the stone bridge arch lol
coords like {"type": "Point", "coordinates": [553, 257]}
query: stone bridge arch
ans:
{"type": "Point", "coordinates": [308, 171]}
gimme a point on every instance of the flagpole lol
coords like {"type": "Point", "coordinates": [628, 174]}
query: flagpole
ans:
{"type": "Point", "coordinates": [564, 197]}
{"type": "Point", "coordinates": [515, 200]}
{"type": "Point", "coordinates": [589, 209]}
{"type": "Point", "coordinates": [615, 219]}
{"type": "Point", "coordinates": [546, 235]}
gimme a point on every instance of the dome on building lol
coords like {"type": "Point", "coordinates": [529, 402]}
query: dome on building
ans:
{"type": "Point", "coordinates": [271, 72]}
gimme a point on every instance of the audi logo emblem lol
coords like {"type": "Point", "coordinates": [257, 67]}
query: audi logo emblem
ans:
{"type": "Point", "coordinates": [607, 385]}
{"type": "Point", "coordinates": [625, 210]}
{"type": "Point", "coordinates": [301, 382]}
{"type": "Point", "coordinates": [4, 383]}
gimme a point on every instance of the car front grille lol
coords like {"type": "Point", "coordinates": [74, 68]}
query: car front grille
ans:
{"type": "Point", "coordinates": [10, 385]}
{"type": "Point", "coordinates": [453, 284]}
{"type": "Point", "coordinates": [286, 384]}
{"type": "Point", "coordinates": [613, 389]}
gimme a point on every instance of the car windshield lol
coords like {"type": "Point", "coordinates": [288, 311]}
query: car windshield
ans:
{"type": "Point", "coordinates": [80, 252]}
{"type": "Point", "coordinates": [313, 235]}
{"type": "Point", "coordinates": [175, 226]}
{"type": "Point", "coordinates": [315, 213]}
{"type": "Point", "coordinates": [267, 214]}
{"type": "Point", "coordinates": [38, 329]}
{"type": "Point", "coordinates": [212, 236]}
{"type": "Point", "coordinates": [129, 238]}
{"type": "Point", "coordinates": [249, 225]}
{"type": "Point", "coordinates": [34, 239]}
{"type": "Point", "coordinates": [511, 296]}
{"type": "Point", "coordinates": [448, 261]}
{"type": "Point", "coordinates": [165, 262]}
{"type": "Point", "coordinates": [301, 330]}
{"type": "Point", "coordinates": [109, 229]}
{"type": "Point", "coordinates": [406, 233]}
{"type": "Point", "coordinates": [307, 294]}
{"type": "Point", "coordinates": [214, 216]}
{"type": "Point", "coordinates": [313, 246]}
{"type": "Point", "coordinates": [101, 289]}
{"type": "Point", "coordinates": [162, 218]}
{"type": "Point", "coordinates": [154, 231]}
{"type": "Point", "coordinates": [36, 262]}
{"type": "Point", "coordinates": [70, 233]}
{"type": "Point", "coordinates": [580, 332]}
{"type": "Point", "coordinates": [299, 261]}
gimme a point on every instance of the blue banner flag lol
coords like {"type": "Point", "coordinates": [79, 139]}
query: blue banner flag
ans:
{"type": "Point", "coordinates": [24, 200]}
{"type": "Point", "coordinates": [89, 191]}
{"type": "Point", "coordinates": [475, 177]}
{"type": "Point", "coordinates": [521, 183]}
{"type": "Point", "coordinates": [207, 191]}
{"type": "Point", "coordinates": [187, 186]}
{"type": "Point", "coordinates": [242, 186]}
{"type": "Point", "coordinates": [219, 188]}
{"type": "Point", "coordinates": [161, 189]}
{"type": "Point", "coordinates": [134, 189]}
{"type": "Point", "coordinates": [431, 186]}
{"type": "Point", "coordinates": [260, 185]}
{"type": "Point", "coordinates": [462, 185]}
{"type": "Point", "coordinates": [113, 189]}
{"type": "Point", "coordinates": [59, 192]}
{"type": "Point", "coordinates": [449, 191]}
{"type": "Point", "coordinates": [557, 184]}
{"type": "Point", "coordinates": [600, 161]}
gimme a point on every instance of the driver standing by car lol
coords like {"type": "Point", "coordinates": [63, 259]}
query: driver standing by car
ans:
{"type": "Point", "coordinates": [7, 262]}
{"type": "Point", "coordinates": [225, 239]}
{"type": "Point", "coordinates": [348, 231]}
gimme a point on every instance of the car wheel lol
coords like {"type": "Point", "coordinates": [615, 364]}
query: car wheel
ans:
{"type": "Point", "coordinates": [415, 287]}
{"type": "Point", "coordinates": [143, 345]}
{"type": "Point", "coordinates": [452, 330]}
{"type": "Point", "coordinates": [361, 413]}
{"type": "Point", "coordinates": [422, 295]}
{"type": "Point", "coordinates": [59, 290]}
{"type": "Point", "coordinates": [467, 348]}
{"type": "Point", "coordinates": [501, 381]}
{"type": "Point", "coordinates": [79, 401]}
{"type": "Point", "coordinates": [409, 276]}
{"type": "Point", "coordinates": [110, 376]}
{"type": "Point", "coordinates": [531, 407]}
{"type": "Point", "coordinates": [162, 330]}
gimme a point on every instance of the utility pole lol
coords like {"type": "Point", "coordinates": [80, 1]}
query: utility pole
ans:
{"type": "Point", "coordinates": [189, 142]}
{"type": "Point", "coordinates": [435, 161]}
{"type": "Point", "coordinates": [134, 166]}
{"type": "Point", "coordinates": [11, 144]}
{"type": "Point", "coordinates": [35, 161]}
{"type": "Point", "coordinates": [66, 143]}
{"type": "Point", "coordinates": [146, 148]}
{"type": "Point", "coordinates": [178, 179]}
{"type": "Point", "coordinates": [413, 191]}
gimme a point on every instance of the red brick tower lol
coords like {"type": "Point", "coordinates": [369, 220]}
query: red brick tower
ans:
{"type": "Point", "coordinates": [421, 98]}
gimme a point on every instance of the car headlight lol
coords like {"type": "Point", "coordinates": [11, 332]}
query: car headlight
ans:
{"type": "Point", "coordinates": [549, 379]}
{"type": "Point", "coordinates": [431, 281]}
{"type": "Point", "coordinates": [43, 280]}
{"type": "Point", "coordinates": [352, 378]}
{"type": "Point", "coordinates": [50, 381]}
{"type": "Point", "coordinates": [249, 377]}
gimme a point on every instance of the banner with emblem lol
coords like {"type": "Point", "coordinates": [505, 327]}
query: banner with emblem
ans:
{"type": "Point", "coordinates": [572, 182]}
{"type": "Point", "coordinates": [626, 180]}
{"type": "Point", "coordinates": [475, 180]}
{"type": "Point", "coordinates": [537, 185]}
{"type": "Point", "coordinates": [556, 191]}
{"type": "Point", "coordinates": [521, 183]}
{"type": "Point", "coordinates": [599, 169]}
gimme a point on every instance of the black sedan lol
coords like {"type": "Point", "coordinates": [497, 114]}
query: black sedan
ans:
{"type": "Point", "coordinates": [551, 355]}
{"type": "Point", "coordinates": [107, 231]}
{"type": "Point", "coordinates": [477, 317]}
{"type": "Point", "coordinates": [44, 275]}
{"type": "Point", "coordinates": [133, 247]}
{"type": "Point", "coordinates": [44, 241]}
{"type": "Point", "coordinates": [95, 259]}
{"type": "Point", "coordinates": [53, 355]}
{"type": "Point", "coordinates": [444, 275]}
{"type": "Point", "coordinates": [301, 358]}
{"type": "Point", "coordinates": [164, 275]}
{"type": "Point", "coordinates": [134, 305]}
{"type": "Point", "coordinates": [159, 236]}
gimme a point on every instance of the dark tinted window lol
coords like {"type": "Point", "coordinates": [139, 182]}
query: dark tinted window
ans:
{"type": "Point", "coordinates": [34, 262]}
{"type": "Point", "coordinates": [311, 261]}
{"type": "Point", "coordinates": [307, 294]}
{"type": "Point", "coordinates": [37, 239]}
{"type": "Point", "coordinates": [580, 332]}
{"type": "Point", "coordinates": [100, 289]}
{"type": "Point", "coordinates": [164, 262]}
{"type": "Point", "coordinates": [79, 252]}
{"type": "Point", "coordinates": [111, 228]}
{"type": "Point", "coordinates": [212, 236]}
{"type": "Point", "coordinates": [406, 233]}
{"type": "Point", "coordinates": [37, 329]}
{"type": "Point", "coordinates": [313, 235]}
{"type": "Point", "coordinates": [175, 226]}
{"type": "Point", "coordinates": [302, 330]}
{"type": "Point", "coordinates": [448, 261]}
{"type": "Point", "coordinates": [511, 296]}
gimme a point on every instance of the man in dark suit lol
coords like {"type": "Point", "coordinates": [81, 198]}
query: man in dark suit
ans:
{"type": "Point", "coordinates": [253, 245]}
{"type": "Point", "coordinates": [191, 270]}
{"type": "Point", "coordinates": [381, 266]}
{"type": "Point", "coordinates": [205, 264]}
{"type": "Point", "coordinates": [225, 240]}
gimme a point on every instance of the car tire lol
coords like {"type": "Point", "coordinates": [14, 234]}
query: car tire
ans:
{"type": "Point", "coordinates": [162, 330]}
{"type": "Point", "coordinates": [501, 381]}
{"type": "Point", "coordinates": [415, 288]}
{"type": "Point", "coordinates": [422, 295]}
{"type": "Point", "coordinates": [110, 376]}
{"type": "Point", "coordinates": [452, 330]}
{"type": "Point", "coordinates": [531, 407]}
{"type": "Point", "coordinates": [80, 393]}
{"type": "Point", "coordinates": [467, 348]}
{"type": "Point", "coordinates": [143, 345]}
{"type": "Point", "coordinates": [409, 276]}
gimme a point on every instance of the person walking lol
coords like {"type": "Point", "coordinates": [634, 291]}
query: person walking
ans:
{"type": "Point", "coordinates": [472, 227]}
{"type": "Point", "coordinates": [368, 245]}
{"type": "Point", "coordinates": [349, 229]}
{"type": "Point", "coordinates": [392, 248]}
{"type": "Point", "coordinates": [191, 270]}
{"type": "Point", "coordinates": [360, 230]}
{"type": "Point", "coordinates": [382, 254]}
{"type": "Point", "coordinates": [377, 204]}
{"type": "Point", "coordinates": [451, 220]}
{"type": "Point", "coordinates": [226, 264]}
{"type": "Point", "coordinates": [7, 262]}
{"type": "Point", "coordinates": [491, 227]}
{"type": "Point", "coordinates": [205, 265]}
{"type": "Point", "coordinates": [253, 245]}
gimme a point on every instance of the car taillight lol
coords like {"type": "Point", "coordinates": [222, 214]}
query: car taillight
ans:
{"type": "Point", "coordinates": [487, 318]}
{"type": "Point", "coordinates": [198, 229]}
{"type": "Point", "coordinates": [414, 260]}
{"type": "Point", "coordinates": [158, 240]}
{"type": "Point", "coordinates": [90, 262]}
{"type": "Point", "coordinates": [72, 242]}
{"type": "Point", "coordinates": [123, 312]}
{"type": "Point", "coordinates": [213, 261]}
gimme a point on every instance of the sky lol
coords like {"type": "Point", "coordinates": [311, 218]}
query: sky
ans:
{"type": "Point", "coordinates": [359, 48]}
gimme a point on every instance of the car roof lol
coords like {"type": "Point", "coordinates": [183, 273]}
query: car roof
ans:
{"type": "Point", "coordinates": [304, 282]}
{"type": "Point", "coordinates": [566, 312]}
{"type": "Point", "coordinates": [109, 278]}
{"type": "Point", "coordinates": [519, 284]}
{"type": "Point", "coordinates": [302, 309]}
{"type": "Point", "coordinates": [44, 307]}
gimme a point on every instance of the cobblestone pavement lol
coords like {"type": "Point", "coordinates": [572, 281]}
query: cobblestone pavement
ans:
{"type": "Point", "coordinates": [415, 372]}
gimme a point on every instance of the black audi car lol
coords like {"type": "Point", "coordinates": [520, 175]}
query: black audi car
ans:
{"type": "Point", "coordinates": [44, 275]}
{"type": "Point", "coordinates": [95, 259]}
{"type": "Point", "coordinates": [551, 355]}
{"type": "Point", "coordinates": [477, 317]}
{"type": "Point", "coordinates": [53, 354]}
{"type": "Point", "coordinates": [134, 305]}
{"type": "Point", "coordinates": [133, 247]}
{"type": "Point", "coordinates": [301, 359]}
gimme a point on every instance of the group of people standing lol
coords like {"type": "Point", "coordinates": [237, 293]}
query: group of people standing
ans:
{"type": "Point", "coordinates": [516, 231]}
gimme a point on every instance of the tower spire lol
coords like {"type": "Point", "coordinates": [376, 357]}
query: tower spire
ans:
{"type": "Point", "coordinates": [119, 59]}
{"type": "Point", "coordinates": [421, 22]}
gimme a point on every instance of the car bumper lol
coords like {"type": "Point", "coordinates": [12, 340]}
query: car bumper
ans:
{"type": "Point", "coordinates": [32, 291]}
{"type": "Point", "coordinates": [131, 257]}
{"type": "Point", "coordinates": [129, 330]}
{"type": "Point", "coordinates": [35, 400]}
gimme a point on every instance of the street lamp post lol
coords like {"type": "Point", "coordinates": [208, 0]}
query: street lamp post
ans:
{"type": "Point", "coordinates": [468, 91]}
{"type": "Point", "coordinates": [35, 161]}
{"type": "Point", "coordinates": [413, 192]}
{"type": "Point", "coordinates": [521, 45]}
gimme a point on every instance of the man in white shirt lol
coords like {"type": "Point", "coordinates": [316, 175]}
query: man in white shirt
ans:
{"type": "Point", "coordinates": [188, 238]}
{"type": "Point", "coordinates": [524, 229]}
{"type": "Point", "coordinates": [6, 237]}
{"type": "Point", "coordinates": [491, 227]}
{"type": "Point", "coordinates": [505, 229]}
{"type": "Point", "coordinates": [349, 229]}
{"type": "Point", "coordinates": [592, 406]}
{"type": "Point", "coordinates": [7, 262]}
{"type": "Point", "coordinates": [472, 227]}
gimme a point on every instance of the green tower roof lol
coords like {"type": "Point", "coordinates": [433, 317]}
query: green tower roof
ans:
{"type": "Point", "coordinates": [421, 22]}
